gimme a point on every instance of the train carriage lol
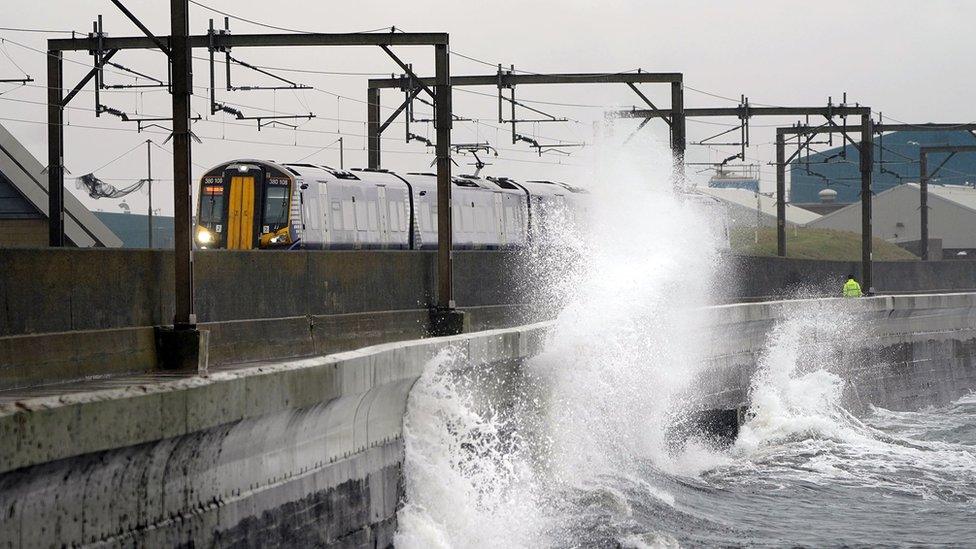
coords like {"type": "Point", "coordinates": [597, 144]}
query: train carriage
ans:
{"type": "Point", "coordinates": [255, 204]}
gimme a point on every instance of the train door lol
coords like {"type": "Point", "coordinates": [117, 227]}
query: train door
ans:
{"type": "Point", "coordinates": [240, 212]}
{"type": "Point", "coordinates": [384, 222]}
{"type": "Point", "coordinates": [499, 211]}
{"type": "Point", "coordinates": [325, 214]}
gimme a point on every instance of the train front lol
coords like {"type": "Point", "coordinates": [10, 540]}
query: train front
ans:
{"type": "Point", "coordinates": [244, 205]}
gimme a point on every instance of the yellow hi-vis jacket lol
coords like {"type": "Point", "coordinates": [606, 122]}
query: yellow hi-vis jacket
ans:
{"type": "Point", "coordinates": [852, 288]}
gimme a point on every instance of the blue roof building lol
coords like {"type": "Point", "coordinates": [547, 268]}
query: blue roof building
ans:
{"type": "Point", "coordinates": [896, 162]}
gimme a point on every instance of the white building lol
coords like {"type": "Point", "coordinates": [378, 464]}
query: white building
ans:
{"type": "Point", "coordinates": [895, 216]}
{"type": "Point", "coordinates": [746, 208]}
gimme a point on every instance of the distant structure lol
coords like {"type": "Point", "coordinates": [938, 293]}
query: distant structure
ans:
{"type": "Point", "coordinates": [827, 204]}
{"type": "Point", "coordinates": [133, 229]}
{"type": "Point", "coordinates": [23, 204]}
{"type": "Point", "coordinates": [896, 162]}
{"type": "Point", "coordinates": [952, 219]}
{"type": "Point", "coordinates": [749, 209]}
{"type": "Point", "coordinates": [736, 177]}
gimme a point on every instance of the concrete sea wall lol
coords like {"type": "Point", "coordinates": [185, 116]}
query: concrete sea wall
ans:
{"type": "Point", "coordinates": [295, 453]}
{"type": "Point", "coordinates": [308, 452]}
{"type": "Point", "coordinates": [899, 352]}
{"type": "Point", "coordinates": [74, 314]}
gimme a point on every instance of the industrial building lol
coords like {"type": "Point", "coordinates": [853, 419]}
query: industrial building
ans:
{"type": "Point", "coordinates": [133, 229]}
{"type": "Point", "coordinates": [23, 204]}
{"type": "Point", "coordinates": [895, 218]}
{"type": "Point", "coordinates": [747, 208]}
{"type": "Point", "coordinates": [895, 162]}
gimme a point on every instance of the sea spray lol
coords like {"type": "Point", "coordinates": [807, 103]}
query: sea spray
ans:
{"type": "Point", "coordinates": [466, 471]}
{"type": "Point", "coordinates": [798, 387]}
{"type": "Point", "coordinates": [626, 284]}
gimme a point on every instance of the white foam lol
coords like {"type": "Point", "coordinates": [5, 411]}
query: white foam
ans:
{"type": "Point", "coordinates": [624, 344]}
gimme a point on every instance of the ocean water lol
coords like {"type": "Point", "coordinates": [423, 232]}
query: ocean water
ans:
{"type": "Point", "coordinates": [574, 452]}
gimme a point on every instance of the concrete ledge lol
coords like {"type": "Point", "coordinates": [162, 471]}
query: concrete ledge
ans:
{"type": "Point", "coordinates": [298, 453]}
{"type": "Point", "coordinates": [42, 359]}
{"type": "Point", "coordinates": [44, 429]}
{"type": "Point", "coordinates": [65, 357]}
{"type": "Point", "coordinates": [905, 338]}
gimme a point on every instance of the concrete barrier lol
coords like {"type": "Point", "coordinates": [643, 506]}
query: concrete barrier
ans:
{"type": "Point", "coordinates": [769, 277]}
{"type": "Point", "coordinates": [304, 452]}
{"type": "Point", "coordinates": [59, 290]}
{"type": "Point", "coordinates": [904, 352]}
{"type": "Point", "coordinates": [44, 360]}
{"type": "Point", "coordinates": [308, 451]}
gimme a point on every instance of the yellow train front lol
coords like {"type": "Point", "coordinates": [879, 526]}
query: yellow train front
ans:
{"type": "Point", "coordinates": [245, 205]}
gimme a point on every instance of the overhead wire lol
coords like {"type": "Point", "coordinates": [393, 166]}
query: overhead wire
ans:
{"type": "Point", "coordinates": [391, 29]}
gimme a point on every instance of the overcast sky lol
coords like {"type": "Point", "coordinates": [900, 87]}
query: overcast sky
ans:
{"type": "Point", "coordinates": [912, 60]}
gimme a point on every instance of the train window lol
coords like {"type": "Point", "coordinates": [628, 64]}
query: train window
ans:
{"type": "Point", "coordinates": [212, 207]}
{"type": "Point", "coordinates": [373, 217]}
{"type": "Point", "coordinates": [466, 183]}
{"type": "Point", "coordinates": [505, 184]}
{"type": "Point", "coordinates": [276, 206]}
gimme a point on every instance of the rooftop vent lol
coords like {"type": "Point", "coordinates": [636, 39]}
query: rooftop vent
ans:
{"type": "Point", "coordinates": [828, 196]}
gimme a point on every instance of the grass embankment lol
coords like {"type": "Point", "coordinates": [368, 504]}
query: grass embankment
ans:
{"type": "Point", "coordinates": [814, 244]}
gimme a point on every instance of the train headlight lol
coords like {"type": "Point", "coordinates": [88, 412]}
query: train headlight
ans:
{"type": "Point", "coordinates": [278, 239]}
{"type": "Point", "coordinates": [204, 236]}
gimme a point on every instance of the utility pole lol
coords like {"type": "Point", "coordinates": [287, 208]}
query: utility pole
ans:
{"type": "Point", "coordinates": [55, 148]}
{"type": "Point", "coordinates": [182, 81]}
{"type": "Point", "coordinates": [678, 137]}
{"type": "Point", "coordinates": [867, 168]}
{"type": "Point", "coordinates": [780, 194]}
{"type": "Point", "coordinates": [443, 122]}
{"type": "Point", "coordinates": [149, 182]}
{"type": "Point", "coordinates": [342, 154]}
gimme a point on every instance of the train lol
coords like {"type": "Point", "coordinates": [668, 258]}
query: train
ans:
{"type": "Point", "coordinates": [250, 204]}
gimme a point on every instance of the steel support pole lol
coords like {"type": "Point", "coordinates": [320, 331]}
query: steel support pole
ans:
{"type": "Point", "coordinates": [678, 140]}
{"type": "Point", "coordinates": [445, 274]}
{"type": "Point", "coordinates": [55, 149]}
{"type": "Point", "coordinates": [182, 185]}
{"type": "Point", "coordinates": [149, 183]}
{"type": "Point", "coordinates": [780, 194]}
{"type": "Point", "coordinates": [867, 168]}
{"type": "Point", "coordinates": [373, 127]}
{"type": "Point", "coordinates": [923, 204]}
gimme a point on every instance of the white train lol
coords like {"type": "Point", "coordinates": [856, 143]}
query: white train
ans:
{"type": "Point", "coordinates": [256, 204]}
{"type": "Point", "coordinates": [248, 204]}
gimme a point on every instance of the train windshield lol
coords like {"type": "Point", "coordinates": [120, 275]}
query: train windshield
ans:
{"type": "Point", "coordinates": [212, 205]}
{"type": "Point", "coordinates": [276, 205]}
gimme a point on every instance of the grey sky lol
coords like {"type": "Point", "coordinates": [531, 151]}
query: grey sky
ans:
{"type": "Point", "coordinates": [910, 60]}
